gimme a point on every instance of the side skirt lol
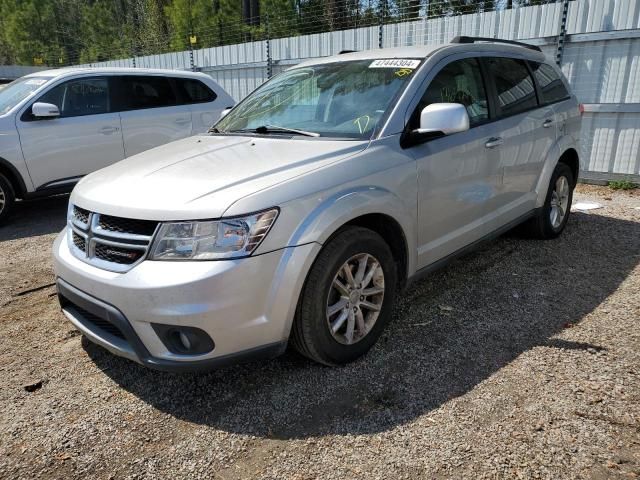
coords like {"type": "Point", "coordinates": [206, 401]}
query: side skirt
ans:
{"type": "Point", "coordinates": [438, 264]}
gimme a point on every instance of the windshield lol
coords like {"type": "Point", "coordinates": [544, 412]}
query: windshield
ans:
{"type": "Point", "coordinates": [18, 90]}
{"type": "Point", "coordinates": [342, 99]}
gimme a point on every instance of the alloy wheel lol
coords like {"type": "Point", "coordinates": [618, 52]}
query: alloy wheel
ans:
{"type": "Point", "coordinates": [559, 202]}
{"type": "Point", "coordinates": [355, 298]}
{"type": "Point", "coordinates": [3, 199]}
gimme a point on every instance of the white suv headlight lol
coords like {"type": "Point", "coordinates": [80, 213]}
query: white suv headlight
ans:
{"type": "Point", "coordinates": [212, 240]}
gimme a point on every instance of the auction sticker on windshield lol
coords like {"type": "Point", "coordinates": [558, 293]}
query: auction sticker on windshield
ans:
{"type": "Point", "coordinates": [395, 63]}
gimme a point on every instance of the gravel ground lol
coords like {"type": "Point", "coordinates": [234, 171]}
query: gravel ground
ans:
{"type": "Point", "coordinates": [520, 360]}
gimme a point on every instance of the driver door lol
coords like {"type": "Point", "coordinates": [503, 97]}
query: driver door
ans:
{"type": "Point", "coordinates": [85, 137]}
{"type": "Point", "coordinates": [455, 180]}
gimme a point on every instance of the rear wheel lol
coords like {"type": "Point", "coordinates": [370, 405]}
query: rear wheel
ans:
{"type": "Point", "coordinates": [7, 198]}
{"type": "Point", "coordinates": [554, 214]}
{"type": "Point", "coordinates": [347, 298]}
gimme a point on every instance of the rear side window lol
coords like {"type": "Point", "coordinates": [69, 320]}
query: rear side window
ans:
{"type": "Point", "coordinates": [514, 85]}
{"type": "Point", "coordinates": [458, 82]}
{"type": "Point", "coordinates": [551, 85]}
{"type": "Point", "coordinates": [76, 98]}
{"type": "Point", "coordinates": [194, 91]}
{"type": "Point", "coordinates": [140, 92]}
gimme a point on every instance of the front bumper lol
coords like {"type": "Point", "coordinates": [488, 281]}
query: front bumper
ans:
{"type": "Point", "coordinates": [246, 306]}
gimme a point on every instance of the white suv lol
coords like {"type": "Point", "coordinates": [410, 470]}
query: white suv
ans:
{"type": "Point", "coordinates": [309, 204]}
{"type": "Point", "coordinates": [57, 126]}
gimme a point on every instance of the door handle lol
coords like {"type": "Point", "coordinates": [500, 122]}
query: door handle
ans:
{"type": "Point", "coordinates": [494, 142]}
{"type": "Point", "coordinates": [108, 130]}
{"type": "Point", "coordinates": [547, 123]}
{"type": "Point", "coordinates": [182, 121]}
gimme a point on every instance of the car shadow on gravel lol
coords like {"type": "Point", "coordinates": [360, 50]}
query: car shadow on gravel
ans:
{"type": "Point", "coordinates": [450, 332]}
{"type": "Point", "coordinates": [35, 217]}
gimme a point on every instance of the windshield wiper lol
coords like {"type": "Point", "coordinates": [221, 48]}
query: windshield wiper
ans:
{"type": "Point", "coordinates": [264, 129]}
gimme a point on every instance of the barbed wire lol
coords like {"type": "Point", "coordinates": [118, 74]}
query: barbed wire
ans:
{"type": "Point", "coordinates": [332, 16]}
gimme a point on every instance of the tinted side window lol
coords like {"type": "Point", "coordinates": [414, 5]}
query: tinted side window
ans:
{"type": "Point", "coordinates": [147, 92]}
{"type": "Point", "coordinates": [550, 83]}
{"type": "Point", "coordinates": [86, 96]}
{"type": "Point", "coordinates": [514, 85]}
{"type": "Point", "coordinates": [194, 91]}
{"type": "Point", "coordinates": [458, 82]}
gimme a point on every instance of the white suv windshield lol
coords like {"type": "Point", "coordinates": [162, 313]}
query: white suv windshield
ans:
{"type": "Point", "coordinates": [342, 99]}
{"type": "Point", "coordinates": [18, 90]}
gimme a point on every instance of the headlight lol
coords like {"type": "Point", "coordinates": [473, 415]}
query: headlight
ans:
{"type": "Point", "coordinates": [212, 240]}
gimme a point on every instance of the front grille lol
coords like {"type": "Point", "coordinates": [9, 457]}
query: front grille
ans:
{"type": "Point", "coordinates": [108, 242]}
{"type": "Point", "coordinates": [127, 225]}
{"type": "Point", "coordinates": [98, 323]}
{"type": "Point", "coordinates": [123, 256]}
{"type": "Point", "coordinates": [79, 241]}
{"type": "Point", "coordinates": [81, 215]}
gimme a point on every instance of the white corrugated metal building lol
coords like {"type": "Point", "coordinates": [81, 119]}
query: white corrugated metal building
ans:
{"type": "Point", "coordinates": [601, 59]}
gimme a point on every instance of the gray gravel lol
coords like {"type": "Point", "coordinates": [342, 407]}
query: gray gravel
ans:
{"type": "Point", "coordinates": [521, 360]}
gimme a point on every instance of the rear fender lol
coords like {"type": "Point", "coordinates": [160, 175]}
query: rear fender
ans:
{"type": "Point", "coordinates": [555, 152]}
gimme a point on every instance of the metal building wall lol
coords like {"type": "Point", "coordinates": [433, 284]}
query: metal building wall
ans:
{"type": "Point", "coordinates": [601, 60]}
{"type": "Point", "coordinates": [17, 71]}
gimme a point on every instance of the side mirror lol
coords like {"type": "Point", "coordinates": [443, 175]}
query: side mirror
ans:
{"type": "Point", "coordinates": [443, 119]}
{"type": "Point", "coordinates": [224, 112]}
{"type": "Point", "coordinates": [45, 110]}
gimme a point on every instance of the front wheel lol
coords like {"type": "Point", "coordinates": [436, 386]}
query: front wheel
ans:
{"type": "Point", "coordinates": [551, 219]}
{"type": "Point", "coordinates": [7, 198]}
{"type": "Point", "coordinates": [347, 298]}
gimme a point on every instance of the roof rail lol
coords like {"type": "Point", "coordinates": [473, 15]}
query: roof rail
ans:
{"type": "Point", "coordinates": [465, 39]}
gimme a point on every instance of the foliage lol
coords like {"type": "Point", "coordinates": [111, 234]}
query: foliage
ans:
{"type": "Point", "coordinates": [63, 32]}
{"type": "Point", "coordinates": [623, 185]}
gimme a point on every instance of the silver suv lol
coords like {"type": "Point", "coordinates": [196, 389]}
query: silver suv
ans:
{"type": "Point", "coordinates": [309, 205]}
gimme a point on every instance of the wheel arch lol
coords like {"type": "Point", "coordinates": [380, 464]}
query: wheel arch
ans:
{"type": "Point", "coordinates": [564, 151]}
{"type": "Point", "coordinates": [392, 233]}
{"type": "Point", "coordinates": [572, 160]}
{"type": "Point", "coordinates": [14, 177]}
{"type": "Point", "coordinates": [371, 207]}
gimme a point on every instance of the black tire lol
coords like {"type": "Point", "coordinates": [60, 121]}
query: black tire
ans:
{"type": "Point", "coordinates": [7, 198]}
{"type": "Point", "coordinates": [311, 335]}
{"type": "Point", "coordinates": [541, 226]}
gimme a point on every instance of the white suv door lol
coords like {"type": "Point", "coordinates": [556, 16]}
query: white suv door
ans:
{"type": "Point", "coordinates": [85, 137]}
{"type": "Point", "coordinates": [151, 114]}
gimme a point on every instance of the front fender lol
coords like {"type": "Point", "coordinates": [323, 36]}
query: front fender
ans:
{"type": "Point", "coordinates": [328, 216]}
{"type": "Point", "coordinates": [343, 206]}
{"type": "Point", "coordinates": [555, 152]}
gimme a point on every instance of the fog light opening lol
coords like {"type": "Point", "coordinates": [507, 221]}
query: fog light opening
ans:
{"type": "Point", "coordinates": [184, 340]}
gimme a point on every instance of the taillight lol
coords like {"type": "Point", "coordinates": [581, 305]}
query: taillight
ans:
{"type": "Point", "coordinates": [581, 109]}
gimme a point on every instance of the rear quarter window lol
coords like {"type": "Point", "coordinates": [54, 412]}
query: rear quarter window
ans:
{"type": "Point", "coordinates": [551, 85]}
{"type": "Point", "coordinates": [194, 91]}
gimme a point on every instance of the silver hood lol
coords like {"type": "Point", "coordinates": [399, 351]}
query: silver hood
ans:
{"type": "Point", "coordinates": [200, 177]}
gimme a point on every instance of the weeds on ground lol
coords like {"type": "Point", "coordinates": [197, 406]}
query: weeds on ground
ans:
{"type": "Point", "coordinates": [622, 185]}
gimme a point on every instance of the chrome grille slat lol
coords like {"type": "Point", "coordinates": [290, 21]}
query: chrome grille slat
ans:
{"type": "Point", "coordinates": [119, 250]}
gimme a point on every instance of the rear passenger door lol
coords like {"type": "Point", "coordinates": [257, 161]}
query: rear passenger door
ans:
{"type": "Point", "coordinates": [150, 113]}
{"type": "Point", "coordinates": [518, 141]}
{"type": "Point", "coordinates": [552, 93]}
